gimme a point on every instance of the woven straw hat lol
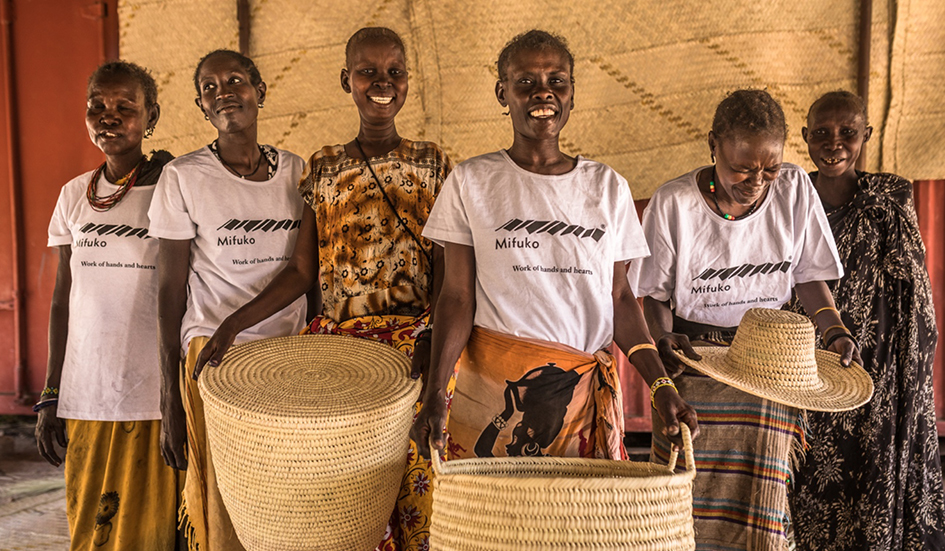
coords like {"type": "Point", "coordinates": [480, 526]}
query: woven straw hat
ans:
{"type": "Point", "coordinates": [309, 439]}
{"type": "Point", "coordinates": [566, 503]}
{"type": "Point", "coordinates": [773, 355]}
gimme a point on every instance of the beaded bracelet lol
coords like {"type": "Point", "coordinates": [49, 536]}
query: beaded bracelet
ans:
{"type": "Point", "coordinates": [658, 384]}
{"type": "Point", "coordinates": [641, 346]}
{"type": "Point", "coordinates": [826, 308]}
{"type": "Point", "coordinates": [843, 327]}
{"type": "Point", "coordinates": [48, 391]}
{"type": "Point", "coordinates": [45, 404]}
{"type": "Point", "coordinates": [836, 336]}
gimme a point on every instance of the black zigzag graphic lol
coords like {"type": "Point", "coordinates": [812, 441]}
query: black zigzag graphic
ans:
{"type": "Point", "coordinates": [120, 230]}
{"type": "Point", "coordinates": [260, 225]}
{"type": "Point", "coordinates": [745, 270]}
{"type": "Point", "coordinates": [552, 227]}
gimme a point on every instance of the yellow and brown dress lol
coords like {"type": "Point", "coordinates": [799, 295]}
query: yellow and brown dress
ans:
{"type": "Point", "coordinates": [376, 278]}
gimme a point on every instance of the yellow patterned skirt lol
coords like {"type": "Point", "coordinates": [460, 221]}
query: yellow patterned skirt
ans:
{"type": "Point", "coordinates": [119, 493]}
{"type": "Point", "coordinates": [203, 517]}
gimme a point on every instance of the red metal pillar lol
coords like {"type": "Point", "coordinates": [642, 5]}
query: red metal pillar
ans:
{"type": "Point", "coordinates": [49, 49]}
{"type": "Point", "coordinates": [929, 200]}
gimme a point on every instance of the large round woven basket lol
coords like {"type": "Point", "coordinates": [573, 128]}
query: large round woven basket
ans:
{"type": "Point", "coordinates": [562, 503]}
{"type": "Point", "coordinates": [309, 439]}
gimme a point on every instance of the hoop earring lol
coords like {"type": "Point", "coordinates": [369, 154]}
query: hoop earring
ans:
{"type": "Point", "coordinates": [260, 105]}
{"type": "Point", "coordinates": [148, 132]}
{"type": "Point", "coordinates": [713, 157]}
{"type": "Point", "coordinates": [505, 113]}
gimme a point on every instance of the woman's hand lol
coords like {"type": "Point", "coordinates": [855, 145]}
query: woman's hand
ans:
{"type": "Point", "coordinates": [420, 364]}
{"type": "Point", "coordinates": [48, 427]}
{"type": "Point", "coordinates": [174, 433]}
{"type": "Point", "coordinates": [213, 352]}
{"type": "Point", "coordinates": [455, 309]}
{"type": "Point", "coordinates": [846, 347]}
{"type": "Point", "coordinates": [430, 425]}
{"type": "Point", "coordinates": [818, 302]}
{"type": "Point", "coordinates": [673, 410]}
{"type": "Point", "coordinates": [674, 366]}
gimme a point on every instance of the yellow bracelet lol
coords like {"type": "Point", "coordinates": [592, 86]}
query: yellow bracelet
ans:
{"type": "Point", "coordinates": [827, 330]}
{"type": "Point", "coordinates": [826, 308]}
{"type": "Point", "coordinates": [658, 384]}
{"type": "Point", "coordinates": [641, 346]}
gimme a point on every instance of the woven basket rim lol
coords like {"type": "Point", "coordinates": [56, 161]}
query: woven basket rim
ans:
{"type": "Point", "coordinates": [615, 482]}
{"type": "Point", "coordinates": [624, 474]}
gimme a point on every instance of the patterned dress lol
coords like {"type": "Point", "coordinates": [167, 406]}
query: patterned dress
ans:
{"type": "Point", "coordinates": [376, 276]}
{"type": "Point", "coordinates": [872, 478]}
{"type": "Point", "coordinates": [369, 264]}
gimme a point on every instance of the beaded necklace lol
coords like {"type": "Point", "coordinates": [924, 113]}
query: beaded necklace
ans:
{"type": "Point", "coordinates": [240, 174]}
{"type": "Point", "coordinates": [125, 183]}
{"type": "Point", "coordinates": [718, 208]}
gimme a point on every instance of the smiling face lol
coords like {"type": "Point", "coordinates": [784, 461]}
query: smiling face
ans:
{"type": "Point", "coordinates": [746, 165]}
{"type": "Point", "coordinates": [538, 92]}
{"type": "Point", "coordinates": [227, 95]}
{"type": "Point", "coordinates": [835, 134]}
{"type": "Point", "coordinates": [116, 115]}
{"type": "Point", "coordinates": [376, 78]}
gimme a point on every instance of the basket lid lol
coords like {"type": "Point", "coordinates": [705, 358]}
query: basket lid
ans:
{"type": "Point", "coordinates": [330, 378]}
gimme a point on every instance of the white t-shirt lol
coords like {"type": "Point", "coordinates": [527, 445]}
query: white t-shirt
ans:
{"type": "Point", "coordinates": [714, 269]}
{"type": "Point", "coordinates": [110, 371]}
{"type": "Point", "coordinates": [243, 233]}
{"type": "Point", "coordinates": [545, 245]}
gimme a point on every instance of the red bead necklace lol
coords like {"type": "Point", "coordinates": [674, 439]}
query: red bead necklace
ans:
{"type": "Point", "coordinates": [125, 183]}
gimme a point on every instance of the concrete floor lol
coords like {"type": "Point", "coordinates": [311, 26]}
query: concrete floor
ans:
{"type": "Point", "coordinates": [32, 493]}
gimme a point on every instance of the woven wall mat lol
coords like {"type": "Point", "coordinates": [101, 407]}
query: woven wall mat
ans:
{"type": "Point", "coordinates": [914, 137]}
{"type": "Point", "coordinates": [648, 75]}
{"type": "Point", "coordinates": [169, 37]}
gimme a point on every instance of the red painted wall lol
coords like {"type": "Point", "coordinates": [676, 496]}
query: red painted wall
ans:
{"type": "Point", "coordinates": [53, 47]}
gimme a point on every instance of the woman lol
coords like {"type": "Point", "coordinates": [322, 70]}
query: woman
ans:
{"type": "Point", "coordinates": [102, 386]}
{"type": "Point", "coordinates": [528, 230]}
{"type": "Point", "coordinates": [227, 217]}
{"type": "Point", "coordinates": [873, 477]}
{"type": "Point", "coordinates": [739, 234]}
{"type": "Point", "coordinates": [369, 199]}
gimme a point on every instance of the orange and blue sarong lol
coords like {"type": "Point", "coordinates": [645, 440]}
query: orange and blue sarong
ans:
{"type": "Point", "coordinates": [516, 396]}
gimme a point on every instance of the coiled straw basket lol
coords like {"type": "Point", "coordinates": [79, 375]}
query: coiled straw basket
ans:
{"type": "Point", "coordinates": [530, 503]}
{"type": "Point", "coordinates": [309, 439]}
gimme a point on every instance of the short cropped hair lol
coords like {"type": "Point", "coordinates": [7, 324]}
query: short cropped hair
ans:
{"type": "Point", "coordinates": [372, 34]}
{"type": "Point", "coordinates": [529, 41]}
{"type": "Point", "coordinates": [840, 98]}
{"type": "Point", "coordinates": [126, 69]}
{"type": "Point", "coordinates": [246, 63]}
{"type": "Point", "coordinates": [750, 112]}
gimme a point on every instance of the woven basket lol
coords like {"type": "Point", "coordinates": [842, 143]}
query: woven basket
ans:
{"type": "Point", "coordinates": [309, 439]}
{"type": "Point", "coordinates": [519, 503]}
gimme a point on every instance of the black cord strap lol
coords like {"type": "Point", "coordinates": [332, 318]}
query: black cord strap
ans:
{"type": "Point", "coordinates": [392, 207]}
